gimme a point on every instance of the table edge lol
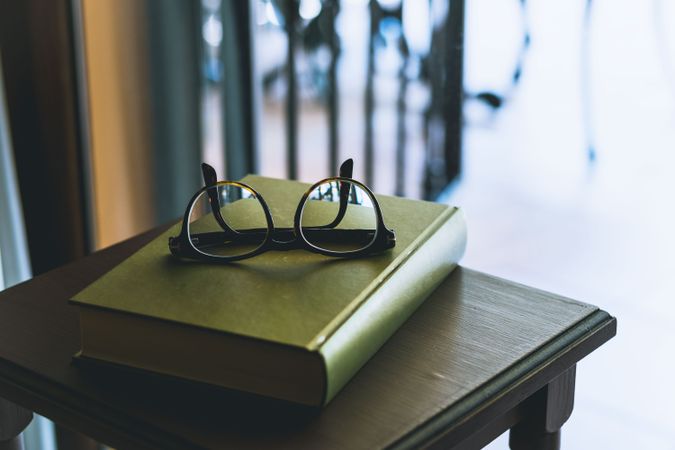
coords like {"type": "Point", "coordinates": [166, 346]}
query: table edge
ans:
{"type": "Point", "coordinates": [39, 394]}
{"type": "Point", "coordinates": [507, 389]}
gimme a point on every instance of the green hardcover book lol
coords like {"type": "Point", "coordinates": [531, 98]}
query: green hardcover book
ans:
{"type": "Point", "coordinates": [293, 325]}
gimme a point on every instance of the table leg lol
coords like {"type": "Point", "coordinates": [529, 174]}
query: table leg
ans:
{"type": "Point", "coordinates": [13, 420]}
{"type": "Point", "coordinates": [72, 440]}
{"type": "Point", "coordinates": [551, 407]}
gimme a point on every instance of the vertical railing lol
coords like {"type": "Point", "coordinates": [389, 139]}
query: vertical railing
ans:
{"type": "Point", "coordinates": [369, 99]}
{"type": "Point", "coordinates": [401, 135]}
{"type": "Point", "coordinates": [444, 116]}
{"type": "Point", "coordinates": [453, 89]}
{"type": "Point", "coordinates": [443, 119]}
{"type": "Point", "coordinates": [332, 7]}
{"type": "Point", "coordinates": [291, 23]}
{"type": "Point", "coordinates": [239, 87]}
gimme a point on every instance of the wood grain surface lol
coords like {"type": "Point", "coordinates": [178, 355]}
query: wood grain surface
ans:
{"type": "Point", "coordinates": [476, 350]}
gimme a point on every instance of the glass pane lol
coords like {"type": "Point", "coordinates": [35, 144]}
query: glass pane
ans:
{"type": "Point", "coordinates": [339, 216]}
{"type": "Point", "coordinates": [227, 220]}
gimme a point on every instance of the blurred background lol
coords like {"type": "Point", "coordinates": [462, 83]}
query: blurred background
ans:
{"type": "Point", "coordinates": [551, 123]}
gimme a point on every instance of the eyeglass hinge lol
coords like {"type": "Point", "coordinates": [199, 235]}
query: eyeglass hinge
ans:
{"type": "Point", "coordinates": [174, 246]}
{"type": "Point", "coordinates": [391, 238]}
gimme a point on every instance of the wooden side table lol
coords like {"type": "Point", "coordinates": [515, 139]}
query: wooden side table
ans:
{"type": "Point", "coordinates": [481, 356]}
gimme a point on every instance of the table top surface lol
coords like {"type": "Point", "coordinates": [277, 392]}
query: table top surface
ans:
{"type": "Point", "coordinates": [475, 348]}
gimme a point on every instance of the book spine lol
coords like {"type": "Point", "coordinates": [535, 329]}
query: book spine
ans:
{"type": "Point", "coordinates": [390, 305]}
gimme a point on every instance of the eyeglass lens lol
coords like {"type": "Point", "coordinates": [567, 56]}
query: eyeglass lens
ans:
{"type": "Point", "coordinates": [339, 216]}
{"type": "Point", "coordinates": [227, 220]}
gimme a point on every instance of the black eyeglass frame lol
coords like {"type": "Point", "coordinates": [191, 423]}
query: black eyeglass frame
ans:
{"type": "Point", "coordinates": [183, 247]}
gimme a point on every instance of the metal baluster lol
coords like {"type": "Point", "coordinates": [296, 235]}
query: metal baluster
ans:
{"type": "Point", "coordinates": [240, 89]}
{"type": "Point", "coordinates": [454, 91]}
{"type": "Point", "coordinates": [401, 135]}
{"type": "Point", "coordinates": [291, 20]}
{"type": "Point", "coordinates": [333, 8]}
{"type": "Point", "coordinates": [586, 103]}
{"type": "Point", "coordinates": [370, 97]}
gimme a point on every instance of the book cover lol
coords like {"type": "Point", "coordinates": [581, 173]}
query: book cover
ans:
{"type": "Point", "coordinates": [293, 325]}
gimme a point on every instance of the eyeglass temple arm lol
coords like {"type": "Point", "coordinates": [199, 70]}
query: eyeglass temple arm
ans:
{"type": "Point", "coordinates": [210, 179]}
{"type": "Point", "coordinates": [346, 169]}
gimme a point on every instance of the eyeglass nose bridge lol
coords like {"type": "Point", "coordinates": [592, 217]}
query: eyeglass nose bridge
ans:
{"type": "Point", "coordinates": [284, 239]}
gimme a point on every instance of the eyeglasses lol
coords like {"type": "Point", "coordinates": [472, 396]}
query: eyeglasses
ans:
{"type": "Point", "coordinates": [228, 221]}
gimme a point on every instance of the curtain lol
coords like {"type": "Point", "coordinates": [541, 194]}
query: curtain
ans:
{"type": "Point", "coordinates": [14, 260]}
{"type": "Point", "coordinates": [13, 249]}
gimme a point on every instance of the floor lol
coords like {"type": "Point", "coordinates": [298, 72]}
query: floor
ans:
{"type": "Point", "coordinates": [540, 212]}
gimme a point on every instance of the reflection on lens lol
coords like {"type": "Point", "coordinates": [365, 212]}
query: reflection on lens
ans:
{"type": "Point", "coordinates": [227, 220]}
{"type": "Point", "coordinates": [339, 216]}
